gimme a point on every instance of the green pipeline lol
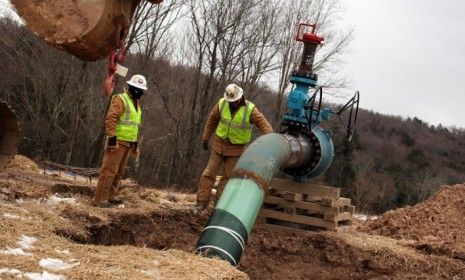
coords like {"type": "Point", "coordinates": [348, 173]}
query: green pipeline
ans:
{"type": "Point", "coordinates": [228, 228]}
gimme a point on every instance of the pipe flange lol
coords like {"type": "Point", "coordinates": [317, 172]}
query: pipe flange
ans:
{"type": "Point", "coordinates": [295, 149]}
{"type": "Point", "coordinates": [314, 155]}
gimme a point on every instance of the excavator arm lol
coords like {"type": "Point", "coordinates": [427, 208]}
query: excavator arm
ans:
{"type": "Point", "coordinates": [87, 29]}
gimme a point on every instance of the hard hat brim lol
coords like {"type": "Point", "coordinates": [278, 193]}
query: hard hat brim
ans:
{"type": "Point", "coordinates": [136, 85]}
{"type": "Point", "coordinates": [239, 96]}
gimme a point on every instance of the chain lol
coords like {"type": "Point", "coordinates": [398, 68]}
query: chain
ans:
{"type": "Point", "coordinates": [115, 57]}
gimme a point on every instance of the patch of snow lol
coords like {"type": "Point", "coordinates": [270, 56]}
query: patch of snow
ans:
{"type": "Point", "coordinates": [69, 175]}
{"type": "Point", "coordinates": [364, 218]}
{"type": "Point", "coordinates": [112, 270]}
{"type": "Point", "coordinates": [9, 205]}
{"type": "Point", "coordinates": [54, 200]}
{"type": "Point", "coordinates": [361, 217]}
{"type": "Point", "coordinates": [65, 252]}
{"type": "Point", "coordinates": [10, 271]}
{"type": "Point", "coordinates": [153, 273]}
{"type": "Point", "coordinates": [19, 200]}
{"type": "Point", "coordinates": [57, 264]}
{"type": "Point", "coordinates": [14, 252]}
{"type": "Point", "coordinates": [121, 206]}
{"type": "Point", "coordinates": [23, 210]}
{"type": "Point", "coordinates": [26, 242]}
{"type": "Point", "coordinates": [165, 201]}
{"type": "Point", "coordinates": [44, 276]}
{"type": "Point", "coordinates": [13, 216]}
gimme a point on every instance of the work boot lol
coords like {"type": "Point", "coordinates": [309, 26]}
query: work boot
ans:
{"type": "Point", "coordinates": [116, 201]}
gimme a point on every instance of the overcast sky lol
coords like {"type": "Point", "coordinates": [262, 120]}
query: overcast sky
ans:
{"type": "Point", "coordinates": [408, 57]}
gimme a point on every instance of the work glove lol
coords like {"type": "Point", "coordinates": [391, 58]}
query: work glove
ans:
{"type": "Point", "coordinates": [112, 143]}
{"type": "Point", "coordinates": [205, 145]}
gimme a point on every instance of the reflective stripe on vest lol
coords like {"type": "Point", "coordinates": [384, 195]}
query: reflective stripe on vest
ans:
{"type": "Point", "coordinates": [127, 128]}
{"type": "Point", "coordinates": [237, 129]}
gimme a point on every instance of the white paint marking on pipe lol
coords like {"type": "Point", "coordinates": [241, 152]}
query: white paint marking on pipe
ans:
{"type": "Point", "coordinates": [233, 233]}
{"type": "Point", "coordinates": [219, 249]}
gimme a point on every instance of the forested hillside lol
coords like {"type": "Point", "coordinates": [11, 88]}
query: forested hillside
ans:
{"type": "Point", "coordinates": [394, 162]}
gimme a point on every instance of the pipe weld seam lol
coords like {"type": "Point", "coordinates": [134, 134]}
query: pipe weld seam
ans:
{"type": "Point", "coordinates": [231, 232]}
{"type": "Point", "coordinates": [219, 249]}
{"type": "Point", "coordinates": [241, 173]}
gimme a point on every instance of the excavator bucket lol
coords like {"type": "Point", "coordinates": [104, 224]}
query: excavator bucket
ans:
{"type": "Point", "coordinates": [87, 29]}
{"type": "Point", "coordinates": [9, 134]}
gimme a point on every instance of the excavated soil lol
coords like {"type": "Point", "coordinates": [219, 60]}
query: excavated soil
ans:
{"type": "Point", "coordinates": [271, 253]}
{"type": "Point", "coordinates": [436, 226]}
{"type": "Point", "coordinates": [154, 221]}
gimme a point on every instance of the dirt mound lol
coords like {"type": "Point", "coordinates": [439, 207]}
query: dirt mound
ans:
{"type": "Point", "coordinates": [349, 255]}
{"type": "Point", "coordinates": [23, 163]}
{"type": "Point", "coordinates": [436, 226]}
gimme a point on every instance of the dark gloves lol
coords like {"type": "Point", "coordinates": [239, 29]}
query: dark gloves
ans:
{"type": "Point", "coordinates": [205, 145]}
{"type": "Point", "coordinates": [111, 143]}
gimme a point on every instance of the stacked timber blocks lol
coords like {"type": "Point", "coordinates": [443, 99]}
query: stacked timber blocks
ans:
{"type": "Point", "coordinates": [305, 206]}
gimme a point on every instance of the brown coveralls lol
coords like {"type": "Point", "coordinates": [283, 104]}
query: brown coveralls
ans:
{"type": "Point", "coordinates": [223, 153]}
{"type": "Point", "coordinates": [114, 160]}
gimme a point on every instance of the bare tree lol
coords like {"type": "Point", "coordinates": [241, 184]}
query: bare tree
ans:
{"type": "Point", "coordinates": [260, 50]}
{"type": "Point", "coordinates": [149, 32]}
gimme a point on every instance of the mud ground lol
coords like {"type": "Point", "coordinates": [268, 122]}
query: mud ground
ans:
{"type": "Point", "coordinates": [162, 220]}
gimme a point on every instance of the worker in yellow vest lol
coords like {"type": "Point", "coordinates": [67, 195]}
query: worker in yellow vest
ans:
{"type": "Point", "coordinates": [122, 124]}
{"type": "Point", "coordinates": [231, 122]}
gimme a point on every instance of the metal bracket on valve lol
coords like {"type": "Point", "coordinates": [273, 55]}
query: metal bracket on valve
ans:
{"type": "Point", "coordinates": [314, 113]}
{"type": "Point", "coordinates": [352, 107]}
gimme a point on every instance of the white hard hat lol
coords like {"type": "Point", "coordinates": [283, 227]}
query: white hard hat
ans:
{"type": "Point", "coordinates": [233, 93]}
{"type": "Point", "coordinates": [138, 81]}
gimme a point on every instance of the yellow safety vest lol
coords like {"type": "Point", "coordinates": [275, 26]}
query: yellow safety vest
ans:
{"type": "Point", "coordinates": [127, 128]}
{"type": "Point", "coordinates": [238, 129]}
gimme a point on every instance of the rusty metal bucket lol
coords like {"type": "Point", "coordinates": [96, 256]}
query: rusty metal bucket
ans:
{"type": "Point", "coordinates": [9, 134]}
{"type": "Point", "coordinates": [88, 29]}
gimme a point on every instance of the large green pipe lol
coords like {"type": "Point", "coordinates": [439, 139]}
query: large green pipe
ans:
{"type": "Point", "coordinates": [232, 220]}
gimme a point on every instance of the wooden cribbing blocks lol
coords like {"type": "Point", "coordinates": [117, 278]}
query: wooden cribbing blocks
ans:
{"type": "Point", "coordinates": [305, 205]}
